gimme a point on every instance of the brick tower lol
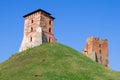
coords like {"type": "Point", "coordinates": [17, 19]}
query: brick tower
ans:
{"type": "Point", "coordinates": [38, 28]}
{"type": "Point", "coordinates": [97, 50]}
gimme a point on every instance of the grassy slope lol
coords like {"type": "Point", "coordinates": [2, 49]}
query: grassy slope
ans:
{"type": "Point", "coordinates": [53, 62]}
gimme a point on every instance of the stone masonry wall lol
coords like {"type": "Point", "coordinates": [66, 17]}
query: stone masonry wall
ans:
{"type": "Point", "coordinates": [97, 50]}
{"type": "Point", "coordinates": [38, 28]}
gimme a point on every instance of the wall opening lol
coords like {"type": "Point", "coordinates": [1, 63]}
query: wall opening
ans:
{"type": "Point", "coordinates": [30, 39]}
{"type": "Point", "coordinates": [31, 21]}
{"type": "Point", "coordinates": [50, 31]}
{"type": "Point", "coordinates": [31, 29]}
{"type": "Point", "coordinates": [100, 51]}
{"type": "Point", "coordinates": [50, 22]}
{"type": "Point", "coordinates": [49, 39]}
{"type": "Point", "coordinates": [100, 45]}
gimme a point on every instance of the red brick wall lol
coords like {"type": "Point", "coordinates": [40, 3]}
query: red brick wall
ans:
{"type": "Point", "coordinates": [100, 47]}
{"type": "Point", "coordinates": [39, 19]}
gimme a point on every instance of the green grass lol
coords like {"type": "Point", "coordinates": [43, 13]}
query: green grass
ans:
{"type": "Point", "coordinates": [52, 61]}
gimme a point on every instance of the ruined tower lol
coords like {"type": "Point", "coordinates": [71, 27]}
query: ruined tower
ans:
{"type": "Point", "coordinates": [97, 50]}
{"type": "Point", "coordinates": [38, 28]}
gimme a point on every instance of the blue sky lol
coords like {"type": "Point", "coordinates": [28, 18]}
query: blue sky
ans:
{"type": "Point", "coordinates": [76, 20]}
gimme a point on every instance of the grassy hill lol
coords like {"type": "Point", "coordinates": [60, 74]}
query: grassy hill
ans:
{"type": "Point", "coordinates": [53, 62]}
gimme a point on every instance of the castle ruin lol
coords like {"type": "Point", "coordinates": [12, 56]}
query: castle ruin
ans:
{"type": "Point", "coordinates": [97, 50]}
{"type": "Point", "coordinates": [38, 28]}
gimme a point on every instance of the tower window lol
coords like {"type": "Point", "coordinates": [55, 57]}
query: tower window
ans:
{"type": "Point", "coordinates": [30, 39]}
{"type": "Point", "coordinates": [31, 21]}
{"type": "Point", "coordinates": [49, 39]}
{"type": "Point", "coordinates": [100, 45]}
{"type": "Point", "coordinates": [50, 30]}
{"type": "Point", "coordinates": [31, 29]}
{"type": "Point", "coordinates": [100, 51]}
{"type": "Point", "coordinates": [50, 22]}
